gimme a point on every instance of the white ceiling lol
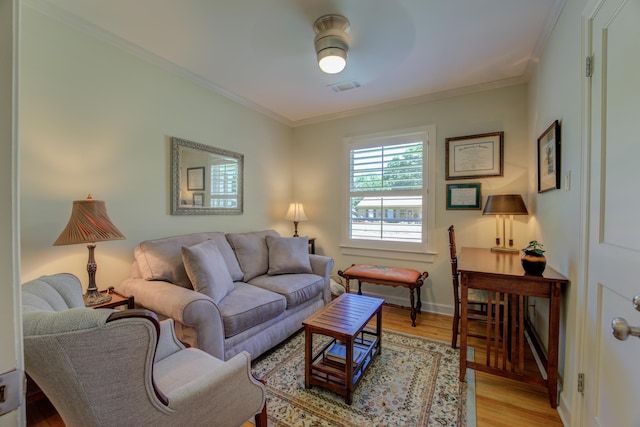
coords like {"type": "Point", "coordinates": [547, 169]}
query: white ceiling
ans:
{"type": "Point", "coordinates": [261, 52]}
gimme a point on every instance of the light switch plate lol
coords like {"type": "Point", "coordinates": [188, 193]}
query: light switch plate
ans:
{"type": "Point", "coordinates": [12, 390]}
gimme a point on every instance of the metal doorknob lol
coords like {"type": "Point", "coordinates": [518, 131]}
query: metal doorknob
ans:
{"type": "Point", "coordinates": [621, 329]}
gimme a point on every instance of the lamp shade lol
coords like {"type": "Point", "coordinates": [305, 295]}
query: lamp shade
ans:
{"type": "Point", "coordinates": [505, 204]}
{"type": "Point", "coordinates": [296, 212]}
{"type": "Point", "coordinates": [89, 223]}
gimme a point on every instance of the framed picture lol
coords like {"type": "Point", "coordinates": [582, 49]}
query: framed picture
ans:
{"type": "Point", "coordinates": [474, 156]}
{"type": "Point", "coordinates": [195, 178]}
{"type": "Point", "coordinates": [549, 158]}
{"type": "Point", "coordinates": [464, 196]}
{"type": "Point", "coordinates": [198, 199]}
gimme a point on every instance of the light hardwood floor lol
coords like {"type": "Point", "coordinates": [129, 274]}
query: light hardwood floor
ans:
{"type": "Point", "coordinates": [499, 401]}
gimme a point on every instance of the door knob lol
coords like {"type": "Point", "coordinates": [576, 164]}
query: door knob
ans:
{"type": "Point", "coordinates": [621, 329]}
{"type": "Point", "coordinates": [636, 302]}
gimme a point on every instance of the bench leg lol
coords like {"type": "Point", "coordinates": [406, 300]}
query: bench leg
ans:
{"type": "Point", "coordinates": [413, 308]}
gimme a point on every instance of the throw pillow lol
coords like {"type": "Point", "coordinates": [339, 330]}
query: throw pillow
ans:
{"type": "Point", "coordinates": [288, 255]}
{"type": "Point", "coordinates": [207, 270]}
{"type": "Point", "coordinates": [251, 251]}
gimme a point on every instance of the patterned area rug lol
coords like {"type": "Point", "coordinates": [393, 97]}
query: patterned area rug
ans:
{"type": "Point", "coordinates": [412, 382]}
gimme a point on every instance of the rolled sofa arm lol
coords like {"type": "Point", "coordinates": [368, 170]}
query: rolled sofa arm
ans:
{"type": "Point", "coordinates": [322, 266]}
{"type": "Point", "coordinates": [186, 306]}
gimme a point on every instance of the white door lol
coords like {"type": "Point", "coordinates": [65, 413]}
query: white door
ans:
{"type": "Point", "coordinates": [11, 360]}
{"type": "Point", "coordinates": [612, 367]}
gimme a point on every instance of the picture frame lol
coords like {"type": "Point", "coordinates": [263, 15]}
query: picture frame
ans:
{"type": "Point", "coordinates": [195, 178]}
{"type": "Point", "coordinates": [198, 199]}
{"type": "Point", "coordinates": [464, 196]}
{"type": "Point", "coordinates": [475, 156]}
{"type": "Point", "coordinates": [549, 158]}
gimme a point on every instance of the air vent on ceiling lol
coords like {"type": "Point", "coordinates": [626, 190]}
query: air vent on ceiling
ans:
{"type": "Point", "coordinates": [341, 87]}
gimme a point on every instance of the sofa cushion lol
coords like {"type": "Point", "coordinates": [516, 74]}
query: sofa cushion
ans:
{"type": "Point", "coordinates": [247, 306]}
{"type": "Point", "coordinates": [288, 255]}
{"type": "Point", "coordinates": [207, 270]}
{"type": "Point", "coordinates": [296, 288]}
{"type": "Point", "coordinates": [161, 259]}
{"type": "Point", "coordinates": [252, 252]}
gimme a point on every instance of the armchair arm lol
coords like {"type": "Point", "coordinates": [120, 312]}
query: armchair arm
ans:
{"type": "Point", "coordinates": [186, 306]}
{"type": "Point", "coordinates": [230, 391]}
{"type": "Point", "coordinates": [168, 342]}
{"type": "Point", "coordinates": [322, 265]}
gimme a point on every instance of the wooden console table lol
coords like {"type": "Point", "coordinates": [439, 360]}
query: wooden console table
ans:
{"type": "Point", "coordinates": [501, 274]}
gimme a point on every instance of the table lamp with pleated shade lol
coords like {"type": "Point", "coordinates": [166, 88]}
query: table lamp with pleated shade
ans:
{"type": "Point", "coordinates": [89, 223]}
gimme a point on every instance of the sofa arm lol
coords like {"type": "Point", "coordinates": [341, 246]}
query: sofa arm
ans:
{"type": "Point", "coordinates": [186, 306]}
{"type": "Point", "coordinates": [322, 266]}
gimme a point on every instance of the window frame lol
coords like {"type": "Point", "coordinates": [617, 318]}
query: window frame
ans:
{"type": "Point", "coordinates": [423, 251]}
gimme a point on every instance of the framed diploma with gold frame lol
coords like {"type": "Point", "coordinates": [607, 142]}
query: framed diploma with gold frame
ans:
{"type": "Point", "coordinates": [474, 156]}
{"type": "Point", "coordinates": [463, 196]}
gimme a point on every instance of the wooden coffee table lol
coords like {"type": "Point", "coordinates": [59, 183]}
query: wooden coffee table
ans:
{"type": "Point", "coordinates": [344, 320]}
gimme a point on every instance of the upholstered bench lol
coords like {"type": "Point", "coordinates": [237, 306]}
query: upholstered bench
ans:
{"type": "Point", "coordinates": [389, 276]}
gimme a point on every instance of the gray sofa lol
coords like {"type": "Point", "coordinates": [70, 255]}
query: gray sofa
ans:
{"type": "Point", "coordinates": [230, 292]}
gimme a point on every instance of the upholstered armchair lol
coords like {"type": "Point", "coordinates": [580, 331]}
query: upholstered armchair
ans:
{"type": "Point", "coordinates": [101, 367]}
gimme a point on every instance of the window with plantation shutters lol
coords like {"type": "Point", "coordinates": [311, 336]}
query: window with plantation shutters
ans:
{"type": "Point", "coordinates": [388, 190]}
{"type": "Point", "coordinates": [224, 184]}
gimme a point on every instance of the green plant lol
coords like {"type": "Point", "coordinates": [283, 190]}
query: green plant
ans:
{"type": "Point", "coordinates": [535, 247]}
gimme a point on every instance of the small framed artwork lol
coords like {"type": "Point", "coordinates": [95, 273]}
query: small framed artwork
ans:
{"type": "Point", "coordinates": [198, 199]}
{"type": "Point", "coordinates": [195, 178]}
{"type": "Point", "coordinates": [549, 158]}
{"type": "Point", "coordinates": [464, 196]}
{"type": "Point", "coordinates": [474, 156]}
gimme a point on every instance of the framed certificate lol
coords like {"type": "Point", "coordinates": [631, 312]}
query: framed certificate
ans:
{"type": "Point", "coordinates": [195, 178]}
{"type": "Point", "coordinates": [474, 156]}
{"type": "Point", "coordinates": [464, 196]}
{"type": "Point", "coordinates": [549, 158]}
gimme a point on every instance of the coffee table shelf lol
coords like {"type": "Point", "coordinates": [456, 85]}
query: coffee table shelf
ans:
{"type": "Point", "coordinates": [344, 320]}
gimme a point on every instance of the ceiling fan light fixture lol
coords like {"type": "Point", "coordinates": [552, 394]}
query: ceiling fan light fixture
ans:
{"type": "Point", "coordinates": [332, 60]}
{"type": "Point", "coordinates": [331, 42]}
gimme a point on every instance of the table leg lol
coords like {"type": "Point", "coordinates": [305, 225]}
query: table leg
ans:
{"type": "Point", "coordinates": [349, 371]}
{"type": "Point", "coordinates": [359, 287]}
{"type": "Point", "coordinates": [308, 345]}
{"type": "Point", "coordinates": [464, 293]}
{"type": "Point", "coordinates": [552, 356]}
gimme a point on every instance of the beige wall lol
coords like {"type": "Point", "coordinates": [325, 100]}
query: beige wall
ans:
{"type": "Point", "coordinates": [320, 173]}
{"type": "Point", "coordinates": [95, 119]}
{"type": "Point", "coordinates": [555, 93]}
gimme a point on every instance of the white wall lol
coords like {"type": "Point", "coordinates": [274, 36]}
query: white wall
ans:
{"type": "Point", "coordinates": [555, 94]}
{"type": "Point", "coordinates": [95, 119]}
{"type": "Point", "coordinates": [321, 179]}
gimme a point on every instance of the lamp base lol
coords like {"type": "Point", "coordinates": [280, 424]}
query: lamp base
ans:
{"type": "Point", "coordinates": [93, 297]}
{"type": "Point", "coordinates": [505, 250]}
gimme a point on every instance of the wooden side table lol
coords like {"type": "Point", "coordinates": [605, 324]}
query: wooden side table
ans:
{"type": "Point", "coordinates": [312, 245]}
{"type": "Point", "coordinates": [117, 300]}
{"type": "Point", "coordinates": [344, 320]}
